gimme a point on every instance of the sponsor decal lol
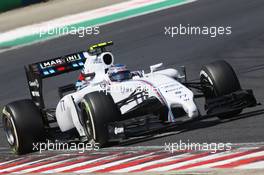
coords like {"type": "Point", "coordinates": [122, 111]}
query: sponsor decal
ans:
{"type": "Point", "coordinates": [35, 94]}
{"type": "Point", "coordinates": [119, 130]}
{"type": "Point", "coordinates": [207, 76]}
{"type": "Point", "coordinates": [97, 61]}
{"type": "Point", "coordinates": [51, 63]}
{"type": "Point", "coordinates": [59, 61]}
{"type": "Point", "coordinates": [73, 58]}
{"type": "Point", "coordinates": [34, 83]}
{"type": "Point", "coordinates": [62, 105]}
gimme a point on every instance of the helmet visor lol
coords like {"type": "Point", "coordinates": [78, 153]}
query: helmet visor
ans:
{"type": "Point", "coordinates": [120, 76]}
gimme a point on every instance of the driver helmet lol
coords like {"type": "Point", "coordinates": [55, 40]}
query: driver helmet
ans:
{"type": "Point", "coordinates": [119, 72]}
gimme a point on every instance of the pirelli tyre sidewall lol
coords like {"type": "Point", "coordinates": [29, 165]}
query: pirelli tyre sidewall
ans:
{"type": "Point", "coordinates": [23, 126]}
{"type": "Point", "coordinates": [99, 109]}
{"type": "Point", "coordinates": [222, 79]}
{"type": "Point", "coordinates": [221, 76]}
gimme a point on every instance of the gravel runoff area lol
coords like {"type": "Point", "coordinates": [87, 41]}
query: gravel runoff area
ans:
{"type": "Point", "coordinates": [45, 11]}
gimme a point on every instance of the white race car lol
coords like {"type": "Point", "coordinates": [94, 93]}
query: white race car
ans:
{"type": "Point", "coordinates": [111, 103]}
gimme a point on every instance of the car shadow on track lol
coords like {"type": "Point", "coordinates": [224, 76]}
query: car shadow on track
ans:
{"type": "Point", "coordinates": [191, 126]}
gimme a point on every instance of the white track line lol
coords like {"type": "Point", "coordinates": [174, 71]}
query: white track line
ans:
{"type": "Point", "coordinates": [33, 29]}
{"type": "Point", "coordinates": [136, 167]}
{"type": "Point", "coordinates": [74, 19]}
{"type": "Point", "coordinates": [46, 165]}
{"type": "Point", "coordinates": [25, 164]}
{"type": "Point", "coordinates": [112, 163]}
{"type": "Point", "coordinates": [3, 163]}
{"type": "Point", "coordinates": [170, 167]}
{"type": "Point", "coordinates": [210, 165]}
{"type": "Point", "coordinates": [255, 165]}
{"type": "Point", "coordinates": [75, 165]}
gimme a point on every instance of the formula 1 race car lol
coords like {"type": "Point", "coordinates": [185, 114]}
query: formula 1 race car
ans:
{"type": "Point", "coordinates": [110, 103]}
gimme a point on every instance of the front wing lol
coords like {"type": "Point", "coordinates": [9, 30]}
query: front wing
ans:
{"type": "Point", "coordinates": [150, 124]}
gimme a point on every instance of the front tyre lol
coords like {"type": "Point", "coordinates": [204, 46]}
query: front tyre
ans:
{"type": "Point", "coordinates": [23, 125]}
{"type": "Point", "coordinates": [219, 78]}
{"type": "Point", "coordinates": [99, 109]}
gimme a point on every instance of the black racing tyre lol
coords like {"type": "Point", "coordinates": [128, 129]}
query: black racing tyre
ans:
{"type": "Point", "coordinates": [221, 79]}
{"type": "Point", "coordinates": [23, 126]}
{"type": "Point", "coordinates": [99, 109]}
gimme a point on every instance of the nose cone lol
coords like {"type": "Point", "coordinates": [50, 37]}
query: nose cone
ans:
{"type": "Point", "coordinates": [191, 109]}
{"type": "Point", "coordinates": [193, 113]}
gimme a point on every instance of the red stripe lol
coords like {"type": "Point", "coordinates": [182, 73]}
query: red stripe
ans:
{"type": "Point", "coordinates": [241, 162]}
{"type": "Point", "coordinates": [81, 77]}
{"type": "Point", "coordinates": [132, 163]}
{"type": "Point", "coordinates": [61, 68]}
{"type": "Point", "coordinates": [216, 160]}
{"type": "Point", "coordinates": [172, 162]}
{"type": "Point", "coordinates": [6, 162]}
{"type": "Point", "coordinates": [64, 164]}
{"type": "Point", "coordinates": [96, 164]}
{"type": "Point", "coordinates": [44, 162]}
{"type": "Point", "coordinates": [19, 162]}
{"type": "Point", "coordinates": [121, 157]}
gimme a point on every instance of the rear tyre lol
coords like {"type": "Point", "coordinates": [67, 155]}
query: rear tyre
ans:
{"type": "Point", "coordinates": [99, 109]}
{"type": "Point", "coordinates": [23, 126]}
{"type": "Point", "coordinates": [218, 79]}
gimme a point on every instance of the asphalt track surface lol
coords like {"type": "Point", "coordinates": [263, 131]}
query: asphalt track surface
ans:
{"type": "Point", "coordinates": [141, 41]}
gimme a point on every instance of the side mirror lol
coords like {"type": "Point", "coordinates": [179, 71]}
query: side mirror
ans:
{"type": "Point", "coordinates": [154, 67]}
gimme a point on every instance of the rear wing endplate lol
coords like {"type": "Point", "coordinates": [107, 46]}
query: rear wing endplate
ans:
{"type": "Point", "coordinates": [36, 72]}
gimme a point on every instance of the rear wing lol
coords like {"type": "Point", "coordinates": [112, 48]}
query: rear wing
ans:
{"type": "Point", "coordinates": [57, 66]}
{"type": "Point", "coordinates": [36, 72]}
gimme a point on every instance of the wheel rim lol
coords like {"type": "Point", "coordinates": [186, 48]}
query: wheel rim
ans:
{"type": "Point", "coordinates": [88, 122]}
{"type": "Point", "coordinates": [9, 131]}
{"type": "Point", "coordinates": [208, 87]}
